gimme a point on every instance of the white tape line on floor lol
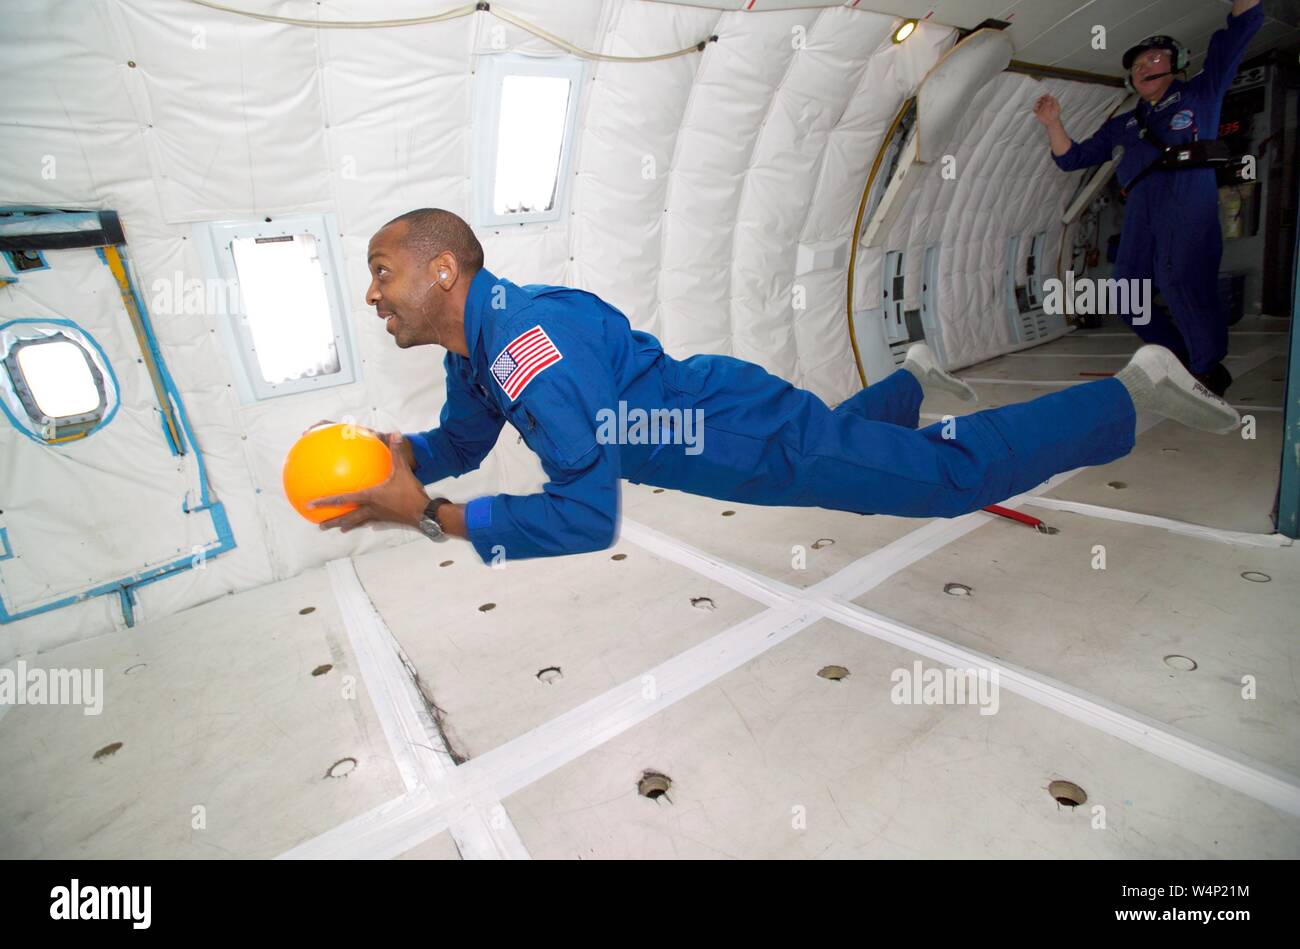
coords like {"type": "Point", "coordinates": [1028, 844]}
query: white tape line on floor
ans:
{"type": "Point", "coordinates": [751, 584]}
{"type": "Point", "coordinates": [1198, 755]}
{"type": "Point", "coordinates": [418, 748]}
{"type": "Point", "coordinates": [1164, 523]}
{"type": "Point", "coordinates": [398, 826]}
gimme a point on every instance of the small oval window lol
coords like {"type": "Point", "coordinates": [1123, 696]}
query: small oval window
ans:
{"type": "Point", "coordinates": [57, 388]}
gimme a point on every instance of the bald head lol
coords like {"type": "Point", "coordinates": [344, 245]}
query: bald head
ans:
{"type": "Point", "coordinates": [429, 232]}
{"type": "Point", "coordinates": [421, 268]}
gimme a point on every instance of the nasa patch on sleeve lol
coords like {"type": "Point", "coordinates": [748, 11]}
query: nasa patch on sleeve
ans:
{"type": "Point", "coordinates": [1182, 120]}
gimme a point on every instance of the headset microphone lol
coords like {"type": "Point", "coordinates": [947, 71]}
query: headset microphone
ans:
{"type": "Point", "coordinates": [1128, 80]}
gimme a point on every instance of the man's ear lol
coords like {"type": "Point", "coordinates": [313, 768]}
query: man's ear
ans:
{"type": "Point", "coordinates": [445, 269]}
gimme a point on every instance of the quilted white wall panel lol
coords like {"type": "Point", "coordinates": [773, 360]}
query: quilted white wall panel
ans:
{"type": "Point", "coordinates": [695, 181]}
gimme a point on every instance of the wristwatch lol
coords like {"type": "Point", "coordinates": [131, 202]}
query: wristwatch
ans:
{"type": "Point", "coordinates": [429, 525]}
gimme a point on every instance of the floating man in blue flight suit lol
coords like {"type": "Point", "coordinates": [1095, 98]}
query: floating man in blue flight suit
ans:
{"type": "Point", "coordinates": [1171, 233]}
{"type": "Point", "coordinates": [556, 363]}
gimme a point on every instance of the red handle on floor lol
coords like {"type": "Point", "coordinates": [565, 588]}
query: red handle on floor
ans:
{"type": "Point", "coordinates": [1013, 515]}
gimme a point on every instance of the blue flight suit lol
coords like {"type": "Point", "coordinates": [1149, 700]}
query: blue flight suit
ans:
{"type": "Point", "coordinates": [763, 440]}
{"type": "Point", "coordinates": [1171, 233]}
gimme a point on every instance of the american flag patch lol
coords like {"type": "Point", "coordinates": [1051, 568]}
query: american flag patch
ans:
{"type": "Point", "coordinates": [520, 362]}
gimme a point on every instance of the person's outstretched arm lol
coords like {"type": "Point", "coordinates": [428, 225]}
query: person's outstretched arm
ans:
{"type": "Point", "coordinates": [1068, 154]}
{"type": "Point", "coordinates": [558, 412]}
{"type": "Point", "coordinates": [467, 429]}
{"type": "Point", "coordinates": [1228, 46]}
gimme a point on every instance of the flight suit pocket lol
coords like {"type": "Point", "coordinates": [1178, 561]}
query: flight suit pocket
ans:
{"type": "Point", "coordinates": [565, 445]}
{"type": "Point", "coordinates": [683, 378]}
{"type": "Point", "coordinates": [731, 450]}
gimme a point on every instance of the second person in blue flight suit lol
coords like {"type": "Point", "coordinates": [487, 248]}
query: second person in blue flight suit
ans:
{"type": "Point", "coordinates": [554, 361]}
{"type": "Point", "coordinates": [1171, 233]}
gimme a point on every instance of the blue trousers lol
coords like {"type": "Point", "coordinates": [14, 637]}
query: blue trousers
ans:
{"type": "Point", "coordinates": [1172, 237]}
{"type": "Point", "coordinates": [767, 442]}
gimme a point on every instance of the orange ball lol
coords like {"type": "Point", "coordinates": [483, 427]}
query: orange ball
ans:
{"type": "Point", "coordinates": [333, 459]}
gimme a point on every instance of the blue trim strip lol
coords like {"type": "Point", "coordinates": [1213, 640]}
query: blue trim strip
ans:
{"type": "Point", "coordinates": [125, 588]}
{"type": "Point", "coordinates": [103, 359]}
{"type": "Point", "coordinates": [9, 551]}
{"type": "Point", "coordinates": [127, 601]}
{"type": "Point", "coordinates": [225, 542]}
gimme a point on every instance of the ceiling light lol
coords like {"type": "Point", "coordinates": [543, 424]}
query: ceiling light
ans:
{"type": "Point", "coordinates": [905, 29]}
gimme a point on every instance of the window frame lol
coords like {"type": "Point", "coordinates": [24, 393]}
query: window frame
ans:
{"type": "Point", "coordinates": [214, 239]}
{"type": "Point", "coordinates": [66, 428]}
{"type": "Point", "coordinates": [490, 75]}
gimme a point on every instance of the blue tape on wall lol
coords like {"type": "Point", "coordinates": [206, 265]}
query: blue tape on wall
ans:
{"type": "Point", "coordinates": [125, 588]}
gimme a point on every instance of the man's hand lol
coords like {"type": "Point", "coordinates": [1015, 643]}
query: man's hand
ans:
{"type": "Point", "coordinates": [408, 455]}
{"type": "Point", "coordinates": [399, 500]}
{"type": "Point", "coordinates": [1048, 111]}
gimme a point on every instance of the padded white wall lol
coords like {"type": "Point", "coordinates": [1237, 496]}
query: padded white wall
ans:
{"type": "Point", "coordinates": [1004, 183]}
{"type": "Point", "coordinates": [695, 180]}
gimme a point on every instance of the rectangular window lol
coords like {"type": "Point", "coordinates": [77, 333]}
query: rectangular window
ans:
{"type": "Point", "coordinates": [278, 289]}
{"type": "Point", "coordinates": [282, 289]}
{"type": "Point", "coordinates": [525, 116]}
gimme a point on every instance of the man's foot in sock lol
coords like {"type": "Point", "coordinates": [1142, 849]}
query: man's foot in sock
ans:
{"type": "Point", "coordinates": [920, 362]}
{"type": "Point", "coordinates": [1158, 382]}
{"type": "Point", "coordinates": [1216, 380]}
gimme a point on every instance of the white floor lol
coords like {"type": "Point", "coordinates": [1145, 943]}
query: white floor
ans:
{"type": "Point", "coordinates": [691, 651]}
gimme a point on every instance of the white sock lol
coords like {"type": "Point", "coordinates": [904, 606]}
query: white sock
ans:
{"type": "Point", "coordinates": [1158, 382]}
{"type": "Point", "coordinates": [920, 362]}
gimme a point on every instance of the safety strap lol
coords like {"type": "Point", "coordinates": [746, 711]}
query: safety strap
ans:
{"type": "Point", "coordinates": [1201, 153]}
